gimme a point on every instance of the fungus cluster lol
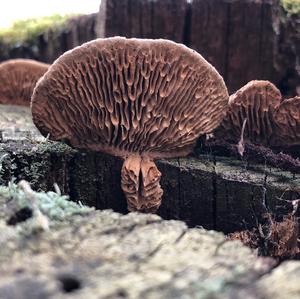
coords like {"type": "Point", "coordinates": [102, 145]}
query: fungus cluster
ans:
{"type": "Point", "coordinates": [269, 119]}
{"type": "Point", "coordinates": [18, 78]}
{"type": "Point", "coordinates": [133, 98]}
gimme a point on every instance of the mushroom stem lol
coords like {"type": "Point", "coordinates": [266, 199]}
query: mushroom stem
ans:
{"type": "Point", "coordinates": [140, 182]}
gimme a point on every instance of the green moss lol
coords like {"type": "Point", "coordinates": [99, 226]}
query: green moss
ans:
{"type": "Point", "coordinates": [42, 164]}
{"type": "Point", "coordinates": [291, 6]}
{"type": "Point", "coordinates": [27, 30]}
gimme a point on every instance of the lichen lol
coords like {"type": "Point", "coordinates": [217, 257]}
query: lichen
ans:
{"type": "Point", "coordinates": [55, 206]}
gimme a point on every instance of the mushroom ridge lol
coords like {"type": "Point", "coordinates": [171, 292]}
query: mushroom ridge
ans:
{"type": "Point", "coordinates": [134, 98]}
{"type": "Point", "coordinates": [18, 78]}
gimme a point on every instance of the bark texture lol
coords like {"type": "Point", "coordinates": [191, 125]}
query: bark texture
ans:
{"type": "Point", "coordinates": [244, 40]}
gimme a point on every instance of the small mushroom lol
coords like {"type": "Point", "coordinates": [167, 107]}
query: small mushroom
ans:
{"type": "Point", "coordinates": [269, 120]}
{"type": "Point", "coordinates": [137, 99]}
{"type": "Point", "coordinates": [287, 119]}
{"type": "Point", "coordinates": [17, 80]}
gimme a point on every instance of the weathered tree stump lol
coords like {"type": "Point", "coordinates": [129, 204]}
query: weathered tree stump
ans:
{"type": "Point", "coordinates": [143, 18]}
{"type": "Point", "coordinates": [102, 254]}
{"type": "Point", "coordinates": [216, 192]}
{"type": "Point", "coordinates": [244, 40]}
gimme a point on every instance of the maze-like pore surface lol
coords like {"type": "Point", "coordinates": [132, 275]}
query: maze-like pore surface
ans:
{"type": "Point", "coordinates": [287, 119]}
{"type": "Point", "coordinates": [270, 120]}
{"type": "Point", "coordinates": [122, 95]}
{"type": "Point", "coordinates": [255, 102]}
{"type": "Point", "coordinates": [18, 78]}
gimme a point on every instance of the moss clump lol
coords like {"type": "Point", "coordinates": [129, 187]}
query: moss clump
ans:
{"type": "Point", "coordinates": [291, 6]}
{"type": "Point", "coordinates": [27, 30]}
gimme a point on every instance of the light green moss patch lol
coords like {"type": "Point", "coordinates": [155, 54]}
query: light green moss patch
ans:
{"type": "Point", "coordinates": [291, 6]}
{"type": "Point", "coordinates": [27, 30]}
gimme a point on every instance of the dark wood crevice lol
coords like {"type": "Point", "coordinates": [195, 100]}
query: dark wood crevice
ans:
{"type": "Point", "coordinates": [206, 190]}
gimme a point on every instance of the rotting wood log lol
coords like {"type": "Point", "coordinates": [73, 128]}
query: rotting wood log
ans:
{"type": "Point", "coordinates": [234, 28]}
{"type": "Point", "coordinates": [217, 192]}
{"type": "Point", "coordinates": [244, 40]}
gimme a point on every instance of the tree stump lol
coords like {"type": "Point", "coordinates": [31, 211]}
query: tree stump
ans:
{"type": "Point", "coordinates": [206, 190]}
{"type": "Point", "coordinates": [244, 40]}
{"type": "Point", "coordinates": [102, 254]}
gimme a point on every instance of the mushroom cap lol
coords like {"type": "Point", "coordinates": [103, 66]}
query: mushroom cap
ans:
{"type": "Point", "coordinates": [123, 96]}
{"type": "Point", "coordinates": [287, 119]}
{"type": "Point", "coordinates": [18, 78]}
{"type": "Point", "coordinates": [256, 102]}
{"type": "Point", "coordinates": [271, 120]}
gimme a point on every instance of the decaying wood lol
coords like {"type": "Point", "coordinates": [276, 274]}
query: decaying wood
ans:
{"type": "Point", "coordinates": [278, 239]}
{"type": "Point", "coordinates": [260, 25]}
{"type": "Point", "coordinates": [283, 158]}
{"type": "Point", "coordinates": [212, 191]}
{"type": "Point", "coordinates": [143, 18]}
{"type": "Point", "coordinates": [102, 254]}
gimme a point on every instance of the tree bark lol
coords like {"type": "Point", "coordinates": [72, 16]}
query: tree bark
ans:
{"type": "Point", "coordinates": [244, 39]}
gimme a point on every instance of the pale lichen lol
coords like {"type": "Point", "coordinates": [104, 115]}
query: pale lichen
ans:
{"type": "Point", "coordinates": [47, 208]}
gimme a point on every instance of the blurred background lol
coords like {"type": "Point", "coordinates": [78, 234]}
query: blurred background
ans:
{"type": "Point", "coordinates": [14, 10]}
{"type": "Point", "coordinates": [243, 39]}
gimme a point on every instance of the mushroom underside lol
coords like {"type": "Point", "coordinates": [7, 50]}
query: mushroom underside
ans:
{"type": "Point", "coordinates": [270, 120]}
{"type": "Point", "coordinates": [18, 78]}
{"type": "Point", "coordinates": [133, 98]}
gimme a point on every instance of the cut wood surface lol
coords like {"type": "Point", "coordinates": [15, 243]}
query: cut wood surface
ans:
{"type": "Point", "coordinates": [215, 192]}
{"type": "Point", "coordinates": [102, 254]}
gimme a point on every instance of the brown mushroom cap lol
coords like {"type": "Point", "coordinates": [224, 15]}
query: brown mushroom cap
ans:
{"type": "Point", "coordinates": [18, 78]}
{"type": "Point", "coordinates": [287, 119]}
{"type": "Point", "coordinates": [270, 120]}
{"type": "Point", "coordinates": [130, 97]}
{"type": "Point", "coordinates": [256, 102]}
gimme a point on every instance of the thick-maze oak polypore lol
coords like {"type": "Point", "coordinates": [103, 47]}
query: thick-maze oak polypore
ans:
{"type": "Point", "coordinates": [18, 78]}
{"type": "Point", "coordinates": [270, 120]}
{"type": "Point", "coordinates": [137, 99]}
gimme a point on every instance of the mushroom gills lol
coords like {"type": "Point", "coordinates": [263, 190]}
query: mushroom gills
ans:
{"type": "Point", "coordinates": [140, 182]}
{"type": "Point", "coordinates": [138, 99]}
